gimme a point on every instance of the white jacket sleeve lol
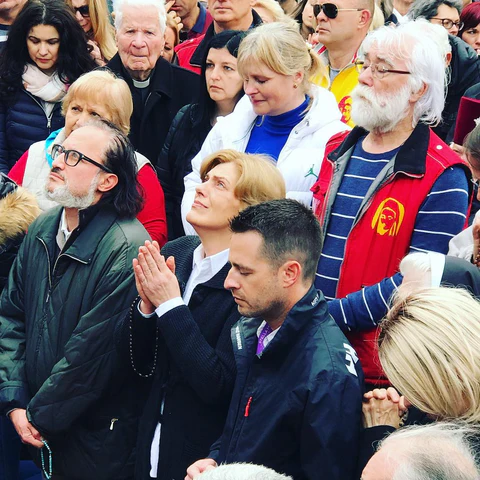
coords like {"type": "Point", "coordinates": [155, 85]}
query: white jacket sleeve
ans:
{"type": "Point", "coordinates": [461, 245]}
{"type": "Point", "coordinates": [211, 144]}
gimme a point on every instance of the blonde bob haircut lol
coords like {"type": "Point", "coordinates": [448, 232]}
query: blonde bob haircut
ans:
{"type": "Point", "coordinates": [102, 29]}
{"type": "Point", "coordinates": [260, 180]}
{"type": "Point", "coordinates": [429, 348]}
{"type": "Point", "coordinates": [281, 48]}
{"type": "Point", "coordinates": [102, 87]}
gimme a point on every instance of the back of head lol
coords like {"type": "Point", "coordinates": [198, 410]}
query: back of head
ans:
{"type": "Point", "coordinates": [429, 8]}
{"type": "Point", "coordinates": [424, 60]}
{"type": "Point", "coordinates": [273, 10]}
{"type": "Point", "coordinates": [242, 471]}
{"type": "Point", "coordinates": [289, 231]}
{"type": "Point", "coordinates": [260, 180]}
{"type": "Point", "coordinates": [429, 348]}
{"type": "Point", "coordinates": [440, 451]}
{"type": "Point", "coordinates": [119, 157]}
{"type": "Point", "coordinates": [281, 48]}
{"type": "Point", "coordinates": [158, 4]}
{"type": "Point", "coordinates": [103, 87]}
{"type": "Point", "coordinates": [472, 144]}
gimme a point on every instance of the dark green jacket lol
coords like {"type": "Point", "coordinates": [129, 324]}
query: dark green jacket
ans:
{"type": "Point", "coordinates": [57, 356]}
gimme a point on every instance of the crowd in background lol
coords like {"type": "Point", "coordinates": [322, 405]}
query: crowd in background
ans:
{"type": "Point", "coordinates": [239, 240]}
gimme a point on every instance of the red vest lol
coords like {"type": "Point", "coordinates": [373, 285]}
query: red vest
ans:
{"type": "Point", "coordinates": [381, 237]}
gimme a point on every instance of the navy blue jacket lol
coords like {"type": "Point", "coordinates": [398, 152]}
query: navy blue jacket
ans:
{"type": "Point", "coordinates": [296, 407]}
{"type": "Point", "coordinates": [23, 122]}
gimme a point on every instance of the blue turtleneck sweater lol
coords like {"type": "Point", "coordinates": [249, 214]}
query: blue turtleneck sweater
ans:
{"type": "Point", "coordinates": [270, 135]}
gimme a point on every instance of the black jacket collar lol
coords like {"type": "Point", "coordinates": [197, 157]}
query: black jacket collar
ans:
{"type": "Point", "coordinates": [161, 79]}
{"type": "Point", "coordinates": [412, 156]}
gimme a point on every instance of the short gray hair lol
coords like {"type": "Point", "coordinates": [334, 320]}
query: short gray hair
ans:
{"type": "Point", "coordinates": [424, 60]}
{"type": "Point", "coordinates": [158, 4]}
{"type": "Point", "coordinates": [440, 451]}
{"type": "Point", "coordinates": [429, 8]}
{"type": "Point", "coordinates": [242, 471]}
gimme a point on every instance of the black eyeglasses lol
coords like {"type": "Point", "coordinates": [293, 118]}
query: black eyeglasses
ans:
{"type": "Point", "coordinates": [378, 71]}
{"type": "Point", "coordinates": [72, 157]}
{"type": "Point", "coordinates": [331, 10]}
{"type": "Point", "coordinates": [83, 10]}
{"type": "Point", "coordinates": [448, 24]}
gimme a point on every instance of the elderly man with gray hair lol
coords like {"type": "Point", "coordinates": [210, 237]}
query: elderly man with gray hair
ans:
{"type": "Point", "coordinates": [433, 452]}
{"type": "Point", "coordinates": [158, 88]}
{"type": "Point", "coordinates": [242, 471]}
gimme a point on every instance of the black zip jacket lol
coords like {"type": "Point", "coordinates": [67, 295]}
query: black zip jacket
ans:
{"type": "Point", "coordinates": [297, 407]}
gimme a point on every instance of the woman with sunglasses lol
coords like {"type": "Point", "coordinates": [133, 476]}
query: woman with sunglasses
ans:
{"type": "Point", "coordinates": [282, 114]}
{"type": "Point", "coordinates": [93, 17]}
{"type": "Point", "coordinates": [45, 51]}
{"type": "Point", "coordinates": [96, 94]}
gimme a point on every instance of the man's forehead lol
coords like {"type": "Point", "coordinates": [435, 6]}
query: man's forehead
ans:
{"type": "Point", "coordinates": [143, 16]}
{"type": "Point", "coordinates": [245, 248]}
{"type": "Point", "coordinates": [86, 138]}
{"type": "Point", "coordinates": [383, 55]}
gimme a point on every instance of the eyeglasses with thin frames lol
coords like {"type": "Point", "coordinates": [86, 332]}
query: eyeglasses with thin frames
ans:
{"type": "Point", "coordinates": [83, 10]}
{"type": "Point", "coordinates": [448, 24]}
{"type": "Point", "coordinates": [378, 71]}
{"type": "Point", "coordinates": [331, 10]}
{"type": "Point", "coordinates": [73, 158]}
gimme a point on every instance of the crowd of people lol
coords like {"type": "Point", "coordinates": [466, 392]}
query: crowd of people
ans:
{"type": "Point", "coordinates": [240, 240]}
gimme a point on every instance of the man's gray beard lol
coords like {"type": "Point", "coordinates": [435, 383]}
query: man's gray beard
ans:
{"type": "Point", "coordinates": [380, 113]}
{"type": "Point", "coordinates": [64, 197]}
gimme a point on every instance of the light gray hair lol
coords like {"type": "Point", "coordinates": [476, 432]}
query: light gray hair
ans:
{"type": "Point", "coordinates": [242, 471]}
{"type": "Point", "coordinates": [158, 4]}
{"type": "Point", "coordinates": [429, 8]}
{"type": "Point", "coordinates": [440, 451]}
{"type": "Point", "coordinates": [424, 60]}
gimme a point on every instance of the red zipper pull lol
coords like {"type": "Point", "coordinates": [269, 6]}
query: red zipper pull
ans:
{"type": "Point", "coordinates": [247, 408]}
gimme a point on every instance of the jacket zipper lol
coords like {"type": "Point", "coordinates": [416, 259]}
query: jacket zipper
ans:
{"type": "Point", "coordinates": [48, 117]}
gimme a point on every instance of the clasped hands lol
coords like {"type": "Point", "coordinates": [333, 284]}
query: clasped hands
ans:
{"type": "Point", "coordinates": [154, 277]}
{"type": "Point", "coordinates": [383, 407]}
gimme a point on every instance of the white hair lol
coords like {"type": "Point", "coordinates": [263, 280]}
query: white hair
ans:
{"type": "Point", "coordinates": [423, 58]}
{"type": "Point", "coordinates": [158, 4]}
{"type": "Point", "coordinates": [242, 471]}
{"type": "Point", "coordinates": [442, 450]}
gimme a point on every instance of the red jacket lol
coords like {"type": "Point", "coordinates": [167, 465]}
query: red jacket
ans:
{"type": "Point", "coordinates": [381, 234]}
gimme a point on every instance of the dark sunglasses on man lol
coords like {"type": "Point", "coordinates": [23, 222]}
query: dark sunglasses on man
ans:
{"type": "Point", "coordinates": [331, 10]}
{"type": "Point", "coordinates": [83, 10]}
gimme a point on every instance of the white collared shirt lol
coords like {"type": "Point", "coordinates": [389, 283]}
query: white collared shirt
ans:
{"type": "Point", "coordinates": [63, 234]}
{"type": "Point", "coordinates": [203, 269]}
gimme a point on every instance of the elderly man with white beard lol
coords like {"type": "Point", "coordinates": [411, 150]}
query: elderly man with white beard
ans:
{"type": "Point", "coordinates": [388, 187]}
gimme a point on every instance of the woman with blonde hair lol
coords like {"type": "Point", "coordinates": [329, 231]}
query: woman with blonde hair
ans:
{"type": "Point", "coordinates": [184, 342]}
{"type": "Point", "coordinates": [429, 349]}
{"type": "Point", "coordinates": [93, 17]}
{"type": "Point", "coordinates": [282, 115]}
{"type": "Point", "coordinates": [96, 94]}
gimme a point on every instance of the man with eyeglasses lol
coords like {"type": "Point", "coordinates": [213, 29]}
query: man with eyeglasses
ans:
{"type": "Point", "coordinates": [60, 379]}
{"type": "Point", "coordinates": [341, 28]}
{"type": "Point", "coordinates": [464, 66]}
{"type": "Point", "coordinates": [390, 186]}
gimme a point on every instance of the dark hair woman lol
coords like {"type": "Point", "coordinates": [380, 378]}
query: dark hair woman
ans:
{"type": "Point", "coordinates": [222, 89]}
{"type": "Point", "coordinates": [45, 51]}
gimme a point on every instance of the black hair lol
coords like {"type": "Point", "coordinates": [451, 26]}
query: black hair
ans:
{"type": "Point", "coordinates": [471, 144]}
{"type": "Point", "coordinates": [429, 8]}
{"type": "Point", "coordinates": [73, 56]}
{"type": "Point", "coordinates": [119, 156]}
{"type": "Point", "coordinates": [229, 39]}
{"type": "Point", "coordinates": [288, 229]}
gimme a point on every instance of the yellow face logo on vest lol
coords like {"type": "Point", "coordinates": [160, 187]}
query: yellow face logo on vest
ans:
{"type": "Point", "coordinates": [389, 217]}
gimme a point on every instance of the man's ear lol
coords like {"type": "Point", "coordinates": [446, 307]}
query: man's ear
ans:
{"type": "Point", "coordinates": [109, 181]}
{"type": "Point", "coordinates": [415, 96]}
{"type": "Point", "coordinates": [291, 273]}
{"type": "Point", "coordinates": [365, 18]}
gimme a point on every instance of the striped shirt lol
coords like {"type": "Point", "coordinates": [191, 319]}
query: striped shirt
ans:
{"type": "Point", "coordinates": [441, 216]}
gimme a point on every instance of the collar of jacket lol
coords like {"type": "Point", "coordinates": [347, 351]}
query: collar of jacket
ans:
{"type": "Point", "coordinates": [161, 79]}
{"type": "Point", "coordinates": [312, 303]}
{"type": "Point", "coordinates": [201, 51]}
{"type": "Point", "coordinates": [183, 266]}
{"type": "Point", "coordinates": [94, 223]}
{"type": "Point", "coordinates": [411, 158]}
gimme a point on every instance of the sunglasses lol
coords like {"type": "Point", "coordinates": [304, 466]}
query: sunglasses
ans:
{"type": "Point", "coordinates": [83, 10]}
{"type": "Point", "coordinates": [331, 10]}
